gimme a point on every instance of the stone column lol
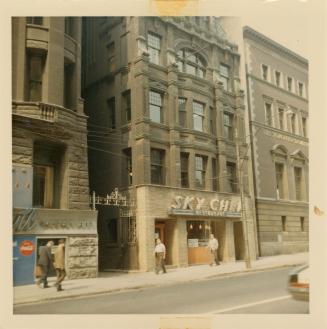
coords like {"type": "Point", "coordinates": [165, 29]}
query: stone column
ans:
{"type": "Point", "coordinates": [229, 249]}
{"type": "Point", "coordinates": [182, 259]}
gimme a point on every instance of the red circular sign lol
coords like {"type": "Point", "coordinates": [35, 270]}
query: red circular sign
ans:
{"type": "Point", "coordinates": [26, 248]}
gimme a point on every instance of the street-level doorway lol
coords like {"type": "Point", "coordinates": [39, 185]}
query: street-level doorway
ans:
{"type": "Point", "coordinates": [239, 241]}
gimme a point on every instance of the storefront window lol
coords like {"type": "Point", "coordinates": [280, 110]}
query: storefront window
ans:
{"type": "Point", "coordinates": [198, 233]}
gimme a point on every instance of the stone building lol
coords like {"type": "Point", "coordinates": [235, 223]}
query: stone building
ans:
{"type": "Point", "coordinates": [164, 105]}
{"type": "Point", "coordinates": [49, 147]}
{"type": "Point", "coordinates": [277, 87]}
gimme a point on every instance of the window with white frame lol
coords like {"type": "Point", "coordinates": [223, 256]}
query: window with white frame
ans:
{"type": "Point", "coordinates": [182, 111]}
{"type": "Point", "coordinates": [154, 48]}
{"type": "Point", "coordinates": [155, 106]}
{"type": "Point", "coordinates": [269, 114]}
{"type": "Point", "coordinates": [228, 126]}
{"type": "Point", "coordinates": [200, 171]}
{"type": "Point", "coordinates": [198, 116]}
{"type": "Point", "coordinates": [224, 73]}
{"type": "Point", "coordinates": [190, 61]}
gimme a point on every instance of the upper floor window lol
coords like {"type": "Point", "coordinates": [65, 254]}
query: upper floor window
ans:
{"type": "Point", "coordinates": [293, 123]}
{"type": "Point", "coordinates": [278, 78]}
{"type": "Point", "coordinates": [264, 72]}
{"type": "Point", "coordinates": [191, 62]}
{"type": "Point", "coordinates": [198, 116]}
{"type": "Point", "coordinates": [231, 177]}
{"type": "Point", "coordinates": [200, 171]}
{"type": "Point", "coordinates": [279, 170]}
{"type": "Point", "coordinates": [228, 126]}
{"type": "Point", "coordinates": [42, 186]}
{"type": "Point", "coordinates": [154, 48]}
{"type": "Point", "coordinates": [284, 223]}
{"type": "Point", "coordinates": [36, 20]}
{"type": "Point", "coordinates": [289, 84]}
{"type": "Point", "coordinates": [157, 166]}
{"type": "Point", "coordinates": [184, 170]}
{"type": "Point", "coordinates": [128, 161]}
{"type": "Point", "coordinates": [35, 67]}
{"type": "Point", "coordinates": [298, 183]}
{"type": "Point", "coordinates": [127, 107]}
{"type": "Point", "coordinates": [182, 111]}
{"type": "Point", "coordinates": [281, 118]}
{"type": "Point", "coordinates": [301, 89]}
{"type": "Point", "coordinates": [269, 116]}
{"type": "Point", "coordinates": [224, 73]}
{"type": "Point", "coordinates": [304, 126]}
{"type": "Point", "coordinates": [111, 56]}
{"type": "Point", "coordinates": [69, 95]}
{"type": "Point", "coordinates": [212, 119]}
{"type": "Point", "coordinates": [155, 107]}
{"type": "Point", "coordinates": [69, 26]}
{"type": "Point", "coordinates": [112, 112]}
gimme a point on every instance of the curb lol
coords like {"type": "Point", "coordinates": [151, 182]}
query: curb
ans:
{"type": "Point", "coordinates": [119, 290]}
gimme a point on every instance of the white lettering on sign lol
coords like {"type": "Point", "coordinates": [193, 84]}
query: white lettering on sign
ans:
{"type": "Point", "coordinates": [199, 206]}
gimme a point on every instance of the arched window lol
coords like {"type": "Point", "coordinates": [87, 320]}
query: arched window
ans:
{"type": "Point", "coordinates": [189, 61]}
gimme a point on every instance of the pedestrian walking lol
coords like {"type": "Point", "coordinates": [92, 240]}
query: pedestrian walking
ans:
{"type": "Point", "coordinates": [213, 246]}
{"type": "Point", "coordinates": [160, 255]}
{"type": "Point", "coordinates": [45, 263]}
{"type": "Point", "coordinates": [59, 263]}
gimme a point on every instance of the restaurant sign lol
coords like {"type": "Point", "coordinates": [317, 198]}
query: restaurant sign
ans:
{"type": "Point", "coordinates": [197, 206]}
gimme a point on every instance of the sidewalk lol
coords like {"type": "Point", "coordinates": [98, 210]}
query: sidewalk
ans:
{"type": "Point", "coordinates": [115, 282]}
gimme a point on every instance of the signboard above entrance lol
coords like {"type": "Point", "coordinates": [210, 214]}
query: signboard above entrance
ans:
{"type": "Point", "coordinates": [197, 206]}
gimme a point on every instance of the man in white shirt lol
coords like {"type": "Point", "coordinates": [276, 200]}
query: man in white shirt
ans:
{"type": "Point", "coordinates": [160, 255]}
{"type": "Point", "coordinates": [213, 246]}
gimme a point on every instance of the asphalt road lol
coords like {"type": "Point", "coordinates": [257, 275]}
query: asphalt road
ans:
{"type": "Point", "coordinates": [255, 293]}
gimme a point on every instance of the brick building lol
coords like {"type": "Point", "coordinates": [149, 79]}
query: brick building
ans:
{"type": "Point", "coordinates": [164, 102]}
{"type": "Point", "coordinates": [277, 87]}
{"type": "Point", "coordinates": [49, 140]}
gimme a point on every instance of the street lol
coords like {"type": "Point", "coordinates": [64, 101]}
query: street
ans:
{"type": "Point", "coordinates": [254, 293]}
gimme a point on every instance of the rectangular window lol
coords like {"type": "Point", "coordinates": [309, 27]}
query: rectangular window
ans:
{"type": "Point", "coordinates": [190, 69]}
{"type": "Point", "coordinates": [111, 56]}
{"type": "Point", "coordinates": [36, 20]}
{"type": "Point", "coordinates": [212, 120]}
{"type": "Point", "coordinates": [279, 168]}
{"type": "Point", "coordinates": [155, 107]}
{"type": "Point", "coordinates": [289, 84]}
{"type": "Point", "coordinates": [112, 112]}
{"type": "Point", "coordinates": [281, 118]}
{"type": "Point", "coordinates": [264, 72]}
{"type": "Point", "coordinates": [184, 169]}
{"type": "Point", "coordinates": [301, 89]}
{"type": "Point", "coordinates": [214, 175]}
{"type": "Point", "coordinates": [154, 48]}
{"type": "Point", "coordinates": [112, 227]}
{"type": "Point", "coordinates": [200, 171]}
{"type": "Point", "coordinates": [129, 168]}
{"type": "Point", "coordinates": [304, 126]}
{"type": "Point", "coordinates": [35, 74]}
{"type": "Point", "coordinates": [69, 26]}
{"type": "Point", "coordinates": [157, 166]}
{"type": "Point", "coordinates": [277, 78]}
{"type": "Point", "coordinates": [43, 186]}
{"type": "Point", "coordinates": [284, 223]}
{"type": "Point", "coordinates": [231, 177]}
{"type": "Point", "coordinates": [68, 86]}
{"type": "Point", "coordinates": [293, 124]}
{"type": "Point", "coordinates": [182, 111]}
{"type": "Point", "coordinates": [127, 107]}
{"type": "Point", "coordinates": [224, 75]}
{"type": "Point", "coordinates": [302, 223]}
{"type": "Point", "coordinates": [298, 183]}
{"type": "Point", "coordinates": [198, 116]}
{"type": "Point", "coordinates": [228, 126]}
{"type": "Point", "coordinates": [269, 117]}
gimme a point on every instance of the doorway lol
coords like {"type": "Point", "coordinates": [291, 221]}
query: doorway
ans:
{"type": "Point", "coordinates": [159, 231]}
{"type": "Point", "coordinates": [239, 241]}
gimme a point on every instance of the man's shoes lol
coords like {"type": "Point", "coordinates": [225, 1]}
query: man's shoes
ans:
{"type": "Point", "coordinates": [46, 286]}
{"type": "Point", "coordinates": [59, 288]}
{"type": "Point", "coordinates": [56, 284]}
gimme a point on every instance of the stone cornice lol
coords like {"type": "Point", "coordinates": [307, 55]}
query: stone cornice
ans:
{"type": "Point", "coordinates": [248, 32]}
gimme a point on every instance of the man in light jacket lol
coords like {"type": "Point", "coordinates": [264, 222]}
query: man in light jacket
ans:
{"type": "Point", "coordinates": [160, 255]}
{"type": "Point", "coordinates": [213, 246]}
{"type": "Point", "coordinates": [59, 264]}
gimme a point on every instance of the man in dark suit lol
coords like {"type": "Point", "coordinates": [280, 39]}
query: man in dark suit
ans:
{"type": "Point", "coordinates": [45, 262]}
